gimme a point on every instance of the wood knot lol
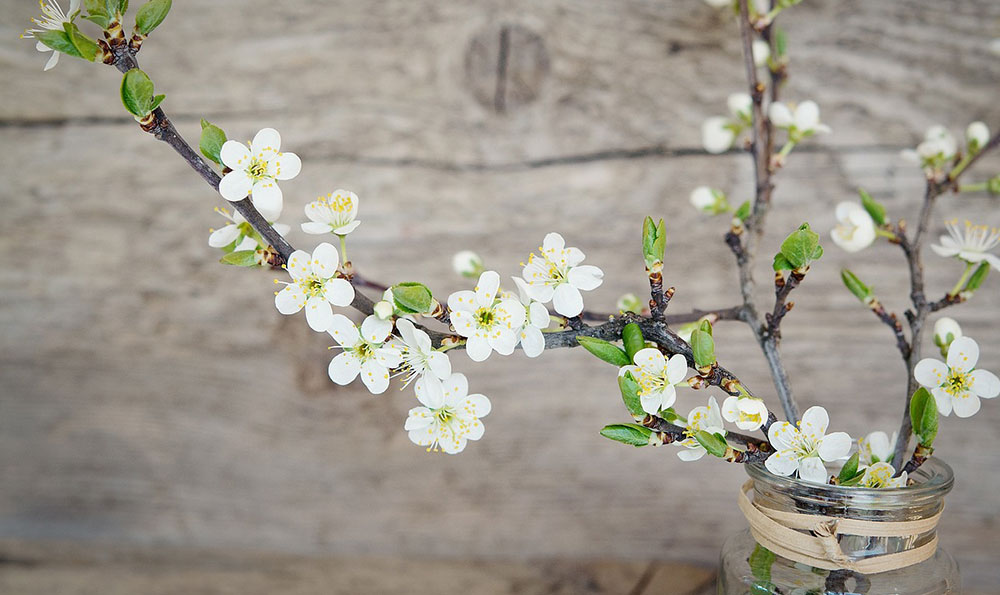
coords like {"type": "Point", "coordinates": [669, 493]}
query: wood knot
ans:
{"type": "Point", "coordinates": [505, 65]}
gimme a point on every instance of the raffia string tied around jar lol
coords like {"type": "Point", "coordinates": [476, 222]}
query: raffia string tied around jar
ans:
{"type": "Point", "coordinates": [812, 539]}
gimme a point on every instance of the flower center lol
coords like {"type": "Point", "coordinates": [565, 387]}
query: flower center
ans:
{"type": "Point", "coordinates": [257, 169]}
{"type": "Point", "coordinates": [444, 415]}
{"type": "Point", "coordinates": [485, 317]}
{"type": "Point", "coordinates": [312, 286]}
{"type": "Point", "coordinates": [958, 383]}
{"type": "Point", "coordinates": [364, 350]}
{"type": "Point", "coordinates": [751, 417]}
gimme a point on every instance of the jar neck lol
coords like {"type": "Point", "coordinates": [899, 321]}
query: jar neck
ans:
{"type": "Point", "coordinates": [923, 498]}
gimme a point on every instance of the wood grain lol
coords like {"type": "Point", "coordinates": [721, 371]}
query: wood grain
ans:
{"type": "Point", "coordinates": [149, 395]}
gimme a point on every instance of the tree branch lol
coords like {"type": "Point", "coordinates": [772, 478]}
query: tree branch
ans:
{"type": "Point", "coordinates": [756, 451]}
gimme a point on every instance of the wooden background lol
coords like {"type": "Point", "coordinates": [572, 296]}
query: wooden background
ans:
{"type": "Point", "coordinates": [150, 396]}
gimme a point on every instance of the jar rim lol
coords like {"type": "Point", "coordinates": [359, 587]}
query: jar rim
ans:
{"type": "Point", "coordinates": [934, 477]}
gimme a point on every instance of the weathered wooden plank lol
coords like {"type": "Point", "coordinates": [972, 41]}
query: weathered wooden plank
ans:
{"type": "Point", "coordinates": [141, 400]}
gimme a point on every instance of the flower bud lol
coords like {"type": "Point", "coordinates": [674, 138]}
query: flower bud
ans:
{"type": "Point", "coordinates": [946, 330]}
{"type": "Point", "coordinates": [761, 52]}
{"type": "Point", "coordinates": [976, 136]}
{"type": "Point", "coordinates": [629, 303]}
{"type": "Point", "coordinates": [383, 310]}
{"type": "Point", "coordinates": [709, 200]}
{"type": "Point", "coordinates": [467, 264]}
{"type": "Point", "coordinates": [741, 105]}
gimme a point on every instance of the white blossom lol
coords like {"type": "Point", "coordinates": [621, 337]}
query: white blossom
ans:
{"type": "Point", "coordinates": [657, 378]}
{"type": "Point", "coordinates": [801, 123]}
{"type": "Point", "coordinates": [976, 136]}
{"type": "Point", "coordinates": [334, 213]}
{"type": "Point", "coordinates": [365, 352]}
{"type": "Point", "coordinates": [876, 447]}
{"type": "Point", "coordinates": [806, 448]}
{"type": "Point", "coordinates": [741, 106]}
{"type": "Point", "coordinates": [718, 134]}
{"type": "Point", "coordinates": [383, 309]}
{"type": "Point", "coordinates": [490, 324]}
{"type": "Point", "coordinates": [238, 230]}
{"type": "Point", "coordinates": [536, 321]}
{"type": "Point", "coordinates": [256, 171]}
{"type": "Point", "coordinates": [748, 413]}
{"type": "Point", "coordinates": [467, 263]}
{"type": "Point", "coordinates": [971, 244]}
{"type": "Point", "coordinates": [855, 229]}
{"type": "Point", "coordinates": [419, 358]}
{"type": "Point", "coordinates": [709, 200]}
{"type": "Point", "coordinates": [937, 148]}
{"type": "Point", "coordinates": [701, 419]}
{"type": "Point", "coordinates": [946, 330]}
{"type": "Point", "coordinates": [557, 276]}
{"type": "Point", "coordinates": [957, 385]}
{"type": "Point", "coordinates": [449, 417]}
{"type": "Point", "coordinates": [761, 52]}
{"type": "Point", "coordinates": [53, 19]}
{"type": "Point", "coordinates": [880, 475]}
{"type": "Point", "coordinates": [314, 286]}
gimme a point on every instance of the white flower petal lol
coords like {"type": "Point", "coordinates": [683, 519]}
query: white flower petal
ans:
{"type": "Point", "coordinates": [835, 446]}
{"type": "Point", "coordinates": [963, 354]}
{"type": "Point", "coordinates": [782, 462]}
{"type": "Point", "coordinates": [235, 156]}
{"type": "Point", "coordinates": [486, 289]}
{"type": "Point", "coordinates": [343, 230]}
{"type": "Point", "coordinates": [566, 300]}
{"type": "Point", "coordinates": [716, 136]}
{"type": "Point", "coordinates": [266, 198]}
{"type": "Point", "coordinates": [780, 115]}
{"type": "Point", "coordinates": [691, 454]}
{"type": "Point", "coordinates": [504, 341]}
{"type": "Point", "coordinates": [388, 357]}
{"type": "Point", "coordinates": [532, 341]}
{"type": "Point", "coordinates": [418, 418]}
{"type": "Point", "coordinates": [651, 402]}
{"type": "Point", "coordinates": [782, 435]}
{"type": "Point", "coordinates": [266, 140]}
{"type": "Point", "coordinates": [223, 236]}
{"type": "Point", "coordinates": [965, 404]}
{"type": "Point", "coordinates": [429, 392]}
{"type": "Point", "coordinates": [338, 292]}
{"type": "Point", "coordinates": [462, 301]}
{"type": "Point", "coordinates": [985, 384]}
{"type": "Point", "coordinates": [343, 331]}
{"type": "Point", "coordinates": [538, 316]}
{"type": "Point", "coordinates": [807, 115]}
{"type": "Point", "coordinates": [930, 372]}
{"type": "Point", "coordinates": [464, 322]}
{"type": "Point", "coordinates": [325, 260]}
{"type": "Point", "coordinates": [815, 421]}
{"type": "Point", "coordinates": [943, 401]}
{"type": "Point", "coordinates": [585, 277]}
{"type": "Point", "coordinates": [344, 368]}
{"type": "Point", "coordinates": [812, 469]}
{"type": "Point", "coordinates": [510, 313]}
{"type": "Point", "coordinates": [553, 243]}
{"type": "Point", "coordinates": [676, 368]}
{"type": "Point", "coordinates": [478, 347]}
{"type": "Point", "coordinates": [290, 299]}
{"type": "Point", "coordinates": [456, 388]}
{"type": "Point", "coordinates": [474, 406]}
{"type": "Point", "coordinates": [235, 186]}
{"type": "Point", "coordinates": [650, 359]}
{"type": "Point", "coordinates": [285, 166]}
{"type": "Point", "coordinates": [315, 228]}
{"type": "Point", "coordinates": [439, 364]}
{"type": "Point", "coordinates": [375, 377]}
{"type": "Point", "coordinates": [375, 330]}
{"type": "Point", "coordinates": [319, 314]}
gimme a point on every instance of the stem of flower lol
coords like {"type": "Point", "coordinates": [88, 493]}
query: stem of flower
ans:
{"type": "Point", "coordinates": [969, 267]}
{"type": "Point", "coordinates": [981, 187]}
{"type": "Point", "coordinates": [343, 249]}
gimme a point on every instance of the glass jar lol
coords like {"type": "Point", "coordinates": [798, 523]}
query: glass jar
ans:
{"type": "Point", "coordinates": [749, 569]}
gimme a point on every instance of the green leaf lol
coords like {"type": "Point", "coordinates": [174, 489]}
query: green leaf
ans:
{"type": "Point", "coordinates": [924, 416]}
{"type": "Point", "coordinates": [59, 41]}
{"type": "Point", "coordinates": [706, 325]}
{"type": "Point", "coordinates": [86, 46]}
{"type": "Point", "coordinates": [654, 240]}
{"type": "Point", "coordinates": [760, 563]}
{"type": "Point", "coordinates": [99, 20]}
{"type": "Point", "coordinates": [781, 42]}
{"type": "Point", "coordinates": [850, 469]}
{"type": "Point", "coordinates": [97, 7]}
{"type": "Point", "coordinates": [874, 208]}
{"type": "Point", "coordinates": [715, 444]}
{"type": "Point", "coordinates": [633, 340]}
{"type": "Point", "coordinates": [743, 212]}
{"type": "Point", "coordinates": [800, 248]}
{"type": "Point", "coordinates": [212, 139]}
{"type": "Point", "coordinates": [117, 6]}
{"type": "Point", "coordinates": [157, 101]}
{"type": "Point", "coordinates": [781, 263]}
{"type": "Point", "coordinates": [412, 297]}
{"type": "Point", "coordinates": [137, 92]}
{"type": "Point", "coordinates": [633, 434]}
{"type": "Point", "coordinates": [977, 277]}
{"type": "Point", "coordinates": [855, 286]}
{"type": "Point", "coordinates": [630, 394]}
{"type": "Point", "coordinates": [241, 258]}
{"type": "Point", "coordinates": [150, 15]}
{"type": "Point", "coordinates": [703, 347]}
{"type": "Point", "coordinates": [608, 352]}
